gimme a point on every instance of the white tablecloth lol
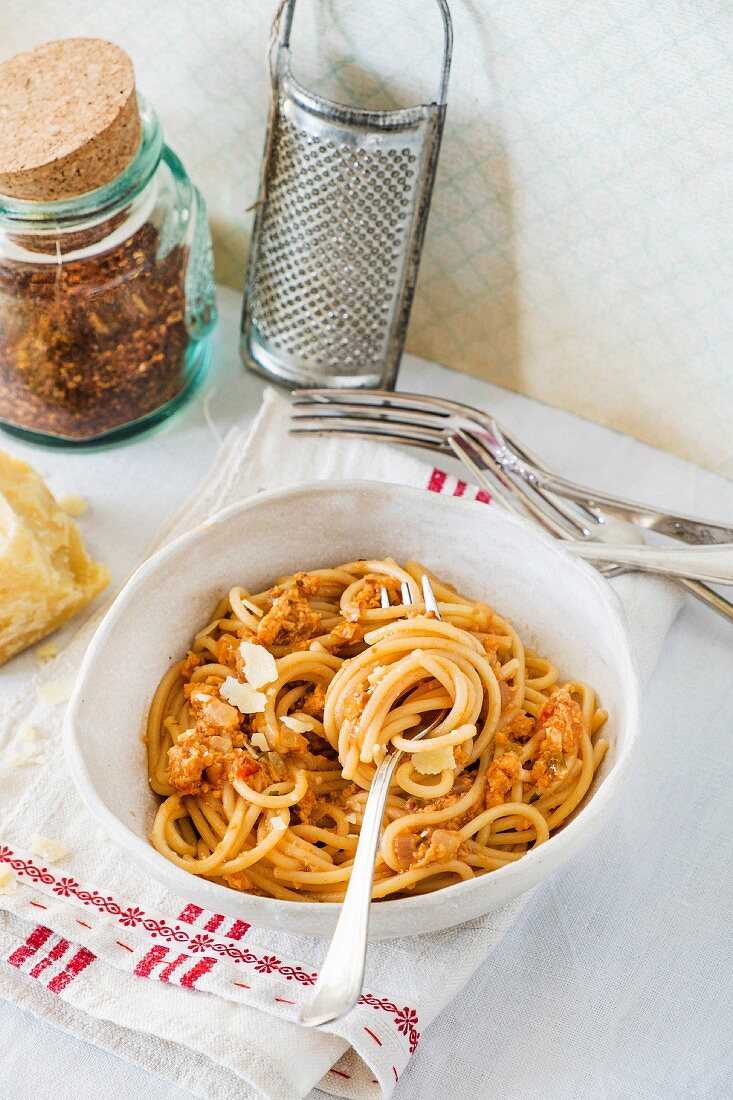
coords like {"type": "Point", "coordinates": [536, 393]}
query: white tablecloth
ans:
{"type": "Point", "coordinates": [653, 968]}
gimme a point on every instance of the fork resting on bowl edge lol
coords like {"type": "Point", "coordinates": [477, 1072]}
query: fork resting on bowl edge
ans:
{"type": "Point", "coordinates": [520, 482]}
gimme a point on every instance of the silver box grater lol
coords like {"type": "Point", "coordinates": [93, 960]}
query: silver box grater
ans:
{"type": "Point", "coordinates": [338, 233]}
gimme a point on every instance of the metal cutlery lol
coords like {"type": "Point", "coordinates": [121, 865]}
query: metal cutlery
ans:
{"type": "Point", "coordinates": [592, 523]}
{"type": "Point", "coordinates": [608, 543]}
{"type": "Point", "coordinates": [589, 524]}
{"type": "Point", "coordinates": [342, 975]}
{"type": "Point", "coordinates": [368, 410]}
{"type": "Point", "coordinates": [513, 475]}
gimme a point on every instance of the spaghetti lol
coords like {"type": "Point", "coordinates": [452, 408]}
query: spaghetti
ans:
{"type": "Point", "coordinates": [263, 742]}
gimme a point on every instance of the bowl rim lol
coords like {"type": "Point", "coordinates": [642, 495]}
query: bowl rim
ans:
{"type": "Point", "coordinates": [261, 910]}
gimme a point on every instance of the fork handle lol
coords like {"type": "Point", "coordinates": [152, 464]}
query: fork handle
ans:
{"type": "Point", "coordinates": [707, 596]}
{"type": "Point", "coordinates": [686, 528]}
{"type": "Point", "coordinates": [713, 564]}
{"type": "Point", "coordinates": [690, 529]}
{"type": "Point", "coordinates": [342, 974]}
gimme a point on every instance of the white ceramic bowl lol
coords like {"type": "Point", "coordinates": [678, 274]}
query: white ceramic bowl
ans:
{"type": "Point", "coordinates": [561, 606]}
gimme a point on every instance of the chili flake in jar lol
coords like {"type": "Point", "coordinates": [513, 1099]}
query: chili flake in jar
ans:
{"type": "Point", "coordinates": [106, 297]}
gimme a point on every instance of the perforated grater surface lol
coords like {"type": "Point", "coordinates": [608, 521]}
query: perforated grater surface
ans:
{"type": "Point", "coordinates": [336, 242]}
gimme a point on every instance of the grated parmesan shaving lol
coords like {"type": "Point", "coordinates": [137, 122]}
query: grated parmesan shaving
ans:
{"type": "Point", "coordinates": [45, 653]}
{"type": "Point", "coordinates": [29, 754]}
{"type": "Point", "coordinates": [55, 692]}
{"type": "Point", "coordinates": [74, 504]}
{"type": "Point", "coordinates": [8, 881]}
{"type": "Point", "coordinates": [259, 741]}
{"type": "Point", "coordinates": [48, 849]}
{"type": "Point", "coordinates": [259, 664]}
{"type": "Point", "coordinates": [433, 761]}
{"type": "Point", "coordinates": [242, 696]}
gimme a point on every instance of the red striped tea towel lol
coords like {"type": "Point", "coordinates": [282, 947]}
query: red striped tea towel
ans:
{"type": "Point", "coordinates": [94, 946]}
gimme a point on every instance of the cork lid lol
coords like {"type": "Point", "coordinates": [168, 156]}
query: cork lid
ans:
{"type": "Point", "coordinates": [68, 119]}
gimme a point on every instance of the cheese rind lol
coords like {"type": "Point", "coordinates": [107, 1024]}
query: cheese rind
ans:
{"type": "Point", "coordinates": [46, 575]}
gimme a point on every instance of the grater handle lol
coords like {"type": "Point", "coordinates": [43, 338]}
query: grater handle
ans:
{"type": "Point", "coordinates": [286, 11]}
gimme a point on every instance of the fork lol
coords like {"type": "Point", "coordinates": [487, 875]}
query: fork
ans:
{"type": "Point", "coordinates": [569, 520]}
{"type": "Point", "coordinates": [592, 523]}
{"type": "Point", "coordinates": [364, 411]}
{"type": "Point", "coordinates": [342, 975]}
{"type": "Point", "coordinates": [424, 421]}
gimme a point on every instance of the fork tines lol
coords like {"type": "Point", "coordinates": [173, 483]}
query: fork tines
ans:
{"type": "Point", "coordinates": [431, 603]}
{"type": "Point", "coordinates": [359, 399]}
{"type": "Point", "coordinates": [413, 419]}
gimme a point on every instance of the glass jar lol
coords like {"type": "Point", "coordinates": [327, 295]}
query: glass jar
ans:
{"type": "Point", "coordinates": [106, 302]}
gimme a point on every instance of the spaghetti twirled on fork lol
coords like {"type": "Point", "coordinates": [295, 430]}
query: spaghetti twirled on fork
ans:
{"type": "Point", "coordinates": [264, 740]}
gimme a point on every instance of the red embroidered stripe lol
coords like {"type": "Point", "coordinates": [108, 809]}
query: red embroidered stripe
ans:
{"type": "Point", "coordinates": [459, 489]}
{"type": "Point", "coordinates": [214, 922]}
{"type": "Point", "coordinates": [238, 930]}
{"type": "Point", "coordinates": [341, 1073]}
{"type": "Point", "coordinates": [190, 914]}
{"type": "Point", "coordinates": [483, 496]}
{"type": "Point", "coordinates": [153, 957]}
{"type": "Point", "coordinates": [203, 966]}
{"type": "Point", "coordinates": [168, 970]}
{"type": "Point", "coordinates": [57, 951]}
{"type": "Point", "coordinates": [437, 481]}
{"type": "Point", "coordinates": [156, 955]}
{"type": "Point", "coordinates": [73, 968]}
{"type": "Point", "coordinates": [34, 943]}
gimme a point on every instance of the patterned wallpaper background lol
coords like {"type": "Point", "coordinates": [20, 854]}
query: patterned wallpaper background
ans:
{"type": "Point", "coordinates": [580, 246]}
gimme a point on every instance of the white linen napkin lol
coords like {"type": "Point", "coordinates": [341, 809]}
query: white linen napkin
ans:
{"type": "Point", "coordinates": [93, 945]}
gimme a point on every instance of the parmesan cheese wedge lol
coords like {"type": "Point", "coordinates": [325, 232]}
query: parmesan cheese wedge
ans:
{"type": "Point", "coordinates": [46, 575]}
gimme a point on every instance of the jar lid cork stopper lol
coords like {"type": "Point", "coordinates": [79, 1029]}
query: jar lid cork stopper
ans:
{"type": "Point", "coordinates": [69, 119]}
